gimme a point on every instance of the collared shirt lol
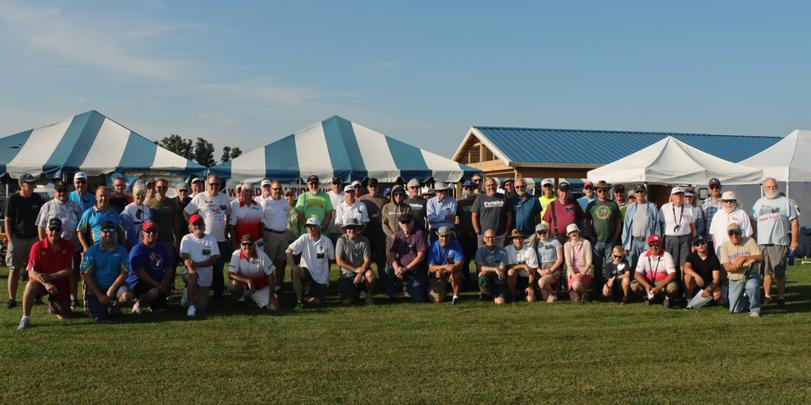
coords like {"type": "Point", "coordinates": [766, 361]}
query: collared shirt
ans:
{"type": "Point", "coordinates": [721, 220]}
{"type": "Point", "coordinates": [710, 207]}
{"type": "Point", "coordinates": [354, 252]}
{"type": "Point", "coordinates": [655, 268]}
{"type": "Point", "coordinates": [584, 202]}
{"type": "Point", "coordinates": [491, 258]}
{"type": "Point", "coordinates": [438, 210]}
{"type": "Point", "coordinates": [448, 255]}
{"type": "Point", "coordinates": [92, 220]}
{"type": "Point", "coordinates": [256, 268]}
{"type": "Point", "coordinates": [105, 265]}
{"type": "Point", "coordinates": [405, 248]}
{"type": "Point", "coordinates": [336, 198]}
{"type": "Point", "coordinates": [85, 201]}
{"type": "Point", "coordinates": [527, 210]}
{"type": "Point", "coordinates": [200, 249]}
{"type": "Point", "coordinates": [246, 218]}
{"type": "Point", "coordinates": [44, 260]}
{"type": "Point", "coordinates": [345, 211]}
{"type": "Point", "coordinates": [275, 214]}
{"type": "Point", "coordinates": [68, 212]}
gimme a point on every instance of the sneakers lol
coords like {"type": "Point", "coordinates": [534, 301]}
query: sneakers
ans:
{"type": "Point", "coordinates": [277, 289]}
{"type": "Point", "coordinates": [781, 302]}
{"type": "Point", "coordinates": [456, 301]}
{"type": "Point", "coordinates": [362, 295]}
{"type": "Point", "coordinates": [25, 322]}
{"type": "Point", "coordinates": [370, 301]}
{"type": "Point", "coordinates": [754, 314]}
{"type": "Point", "coordinates": [184, 299]}
{"type": "Point", "coordinates": [767, 300]}
{"type": "Point", "coordinates": [667, 302]}
{"type": "Point", "coordinates": [74, 304]}
{"type": "Point", "coordinates": [136, 309]}
{"type": "Point", "coordinates": [299, 307]}
{"type": "Point", "coordinates": [11, 304]}
{"type": "Point", "coordinates": [551, 299]}
{"type": "Point", "coordinates": [192, 311]}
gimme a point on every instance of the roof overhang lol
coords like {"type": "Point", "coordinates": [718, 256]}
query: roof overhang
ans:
{"type": "Point", "coordinates": [474, 132]}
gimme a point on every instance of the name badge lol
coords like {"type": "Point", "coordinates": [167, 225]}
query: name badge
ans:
{"type": "Point", "coordinates": [206, 252]}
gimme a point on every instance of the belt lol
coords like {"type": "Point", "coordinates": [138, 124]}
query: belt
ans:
{"type": "Point", "coordinates": [271, 230]}
{"type": "Point", "coordinates": [639, 238]}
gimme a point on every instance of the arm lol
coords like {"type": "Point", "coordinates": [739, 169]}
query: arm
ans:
{"type": "Point", "coordinates": [509, 216]}
{"type": "Point", "coordinates": [144, 276]}
{"type": "Point", "coordinates": [795, 229]}
{"type": "Point", "coordinates": [329, 216]}
{"type": "Point", "coordinates": [82, 240]}
{"type": "Point", "coordinates": [474, 218]}
{"type": "Point", "coordinates": [558, 259]}
{"type": "Point", "coordinates": [642, 280]}
{"type": "Point", "coordinates": [417, 260]}
{"type": "Point", "coordinates": [41, 232]}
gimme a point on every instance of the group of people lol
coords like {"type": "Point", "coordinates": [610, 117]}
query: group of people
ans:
{"type": "Point", "coordinates": [126, 248]}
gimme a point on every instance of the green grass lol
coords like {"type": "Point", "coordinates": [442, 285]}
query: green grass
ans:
{"type": "Point", "coordinates": [407, 353]}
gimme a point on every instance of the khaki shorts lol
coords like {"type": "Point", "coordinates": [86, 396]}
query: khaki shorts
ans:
{"type": "Point", "coordinates": [437, 288]}
{"type": "Point", "coordinates": [774, 260]}
{"type": "Point", "coordinates": [638, 289]}
{"type": "Point", "coordinates": [18, 250]}
{"type": "Point", "coordinates": [275, 244]}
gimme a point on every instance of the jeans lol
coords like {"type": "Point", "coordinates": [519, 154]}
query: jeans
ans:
{"type": "Point", "coordinates": [416, 282]}
{"type": "Point", "coordinates": [217, 283]}
{"type": "Point", "coordinates": [601, 253]}
{"type": "Point", "coordinates": [751, 285]}
{"type": "Point", "coordinates": [638, 248]}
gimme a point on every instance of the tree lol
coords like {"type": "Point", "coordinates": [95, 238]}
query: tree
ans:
{"type": "Point", "coordinates": [204, 152]}
{"type": "Point", "coordinates": [235, 152]}
{"type": "Point", "coordinates": [226, 154]}
{"type": "Point", "coordinates": [179, 145]}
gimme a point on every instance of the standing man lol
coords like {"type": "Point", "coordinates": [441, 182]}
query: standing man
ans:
{"type": "Point", "coordinates": [509, 189]}
{"type": "Point", "coordinates": [588, 195]}
{"type": "Point", "coordinates": [245, 218]}
{"type": "Point", "coordinates": [197, 186]}
{"type": "Point", "coordinates": [465, 233]}
{"type": "Point", "coordinates": [445, 263]}
{"type": "Point", "coordinates": [407, 262]}
{"type": "Point", "coordinates": [315, 203]}
{"type": "Point", "coordinates": [374, 229]}
{"type": "Point", "coordinates": [90, 225]}
{"type": "Point", "coordinates": [527, 208]}
{"type": "Point", "coordinates": [477, 183]}
{"type": "Point", "coordinates": [350, 208]}
{"type": "Point", "coordinates": [710, 207]}
{"type": "Point", "coordinates": [548, 195]}
{"type": "Point", "coordinates": [50, 266]}
{"type": "Point", "coordinates": [604, 225]}
{"type": "Point", "coordinates": [678, 225]}
{"type": "Point", "coordinates": [199, 252]}
{"type": "Point", "coordinates": [336, 196]}
{"type": "Point", "coordinates": [392, 213]}
{"type": "Point", "coordinates": [166, 215]}
{"type": "Point", "coordinates": [562, 212]}
{"type": "Point", "coordinates": [68, 213]}
{"type": "Point", "coordinates": [418, 205]}
{"type": "Point", "coordinates": [20, 223]}
{"type": "Point", "coordinates": [354, 257]}
{"type": "Point", "coordinates": [214, 208]}
{"type": "Point", "coordinates": [81, 196]}
{"type": "Point", "coordinates": [640, 222]}
{"type": "Point", "coordinates": [104, 269]}
{"type": "Point", "coordinates": [118, 197]}
{"type": "Point", "coordinates": [491, 211]}
{"type": "Point", "coordinates": [151, 270]}
{"type": "Point", "coordinates": [698, 213]}
{"type": "Point", "coordinates": [312, 273]}
{"type": "Point", "coordinates": [441, 211]}
{"type": "Point", "coordinates": [777, 227]}
{"type": "Point", "coordinates": [265, 187]}
{"type": "Point", "coordinates": [729, 213]}
{"type": "Point", "coordinates": [740, 257]}
{"type": "Point", "coordinates": [275, 216]}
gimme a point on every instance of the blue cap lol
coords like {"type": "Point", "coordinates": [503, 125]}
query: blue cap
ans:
{"type": "Point", "coordinates": [469, 183]}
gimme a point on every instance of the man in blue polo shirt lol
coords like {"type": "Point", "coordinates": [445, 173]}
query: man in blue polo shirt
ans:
{"type": "Point", "coordinates": [445, 261]}
{"type": "Point", "coordinates": [527, 208]}
{"type": "Point", "coordinates": [104, 269]}
{"type": "Point", "coordinates": [89, 229]}
{"type": "Point", "coordinates": [151, 270]}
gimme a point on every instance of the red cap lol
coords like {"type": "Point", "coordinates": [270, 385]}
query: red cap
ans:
{"type": "Point", "coordinates": [195, 218]}
{"type": "Point", "coordinates": [148, 224]}
{"type": "Point", "coordinates": [588, 184]}
{"type": "Point", "coordinates": [654, 238]}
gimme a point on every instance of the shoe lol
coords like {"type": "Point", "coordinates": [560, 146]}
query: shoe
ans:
{"type": "Point", "coordinates": [370, 301]}
{"type": "Point", "coordinates": [192, 311]}
{"type": "Point", "coordinates": [648, 301]}
{"type": "Point", "coordinates": [25, 322]}
{"type": "Point", "coordinates": [362, 295]}
{"type": "Point", "coordinates": [456, 301]}
{"type": "Point", "coordinates": [624, 301]}
{"type": "Point", "coordinates": [74, 304]}
{"type": "Point", "coordinates": [184, 299]}
{"type": "Point", "coordinates": [767, 300]}
{"type": "Point", "coordinates": [754, 314]}
{"type": "Point", "coordinates": [241, 301]}
{"type": "Point", "coordinates": [277, 289]}
{"type": "Point", "coordinates": [11, 304]}
{"type": "Point", "coordinates": [781, 302]}
{"type": "Point", "coordinates": [136, 309]}
{"type": "Point", "coordinates": [299, 307]}
{"type": "Point", "coordinates": [667, 302]}
{"type": "Point", "coordinates": [482, 298]}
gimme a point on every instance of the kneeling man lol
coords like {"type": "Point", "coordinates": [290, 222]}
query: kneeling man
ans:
{"type": "Point", "coordinates": [353, 254]}
{"type": "Point", "coordinates": [151, 270]}
{"type": "Point", "coordinates": [445, 261]}
{"type": "Point", "coordinates": [312, 272]}
{"type": "Point", "coordinates": [740, 257]}
{"type": "Point", "coordinates": [655, 274]}
{"type": "Point", "coordinates": [104, 270]}
{"type": "Point", "coordinates": [251, 274]}
{"type": "Point", "coordinates": [522, 267]}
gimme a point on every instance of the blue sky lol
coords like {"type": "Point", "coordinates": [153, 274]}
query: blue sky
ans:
{"type": "Point", "coordinates": [247, 73]}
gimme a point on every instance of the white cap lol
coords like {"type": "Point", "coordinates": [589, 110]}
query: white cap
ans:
{"type": "Point", "coordinates": [547, 181]}
{"type": "Point", "coordinates": [79, 175]}
{"type": "Point", "coordinates": [313, 221]}
{"type": "Point", "coordinates": [729, 196]}
{"type": "Point", "coordinates": [440, 186]}
{"type": "Point", "coordinates": [349, 189]}
{"type": "Point", "coordinates": [355, 183]}
{"type": "Point", "coordinates": [413, 182]}
{"type": "Point", "coordinates": [572, 228]}
{"type": "Point", "coordinates": [676, 190]}
{"type": "Point", "coordinates": [264, 183]}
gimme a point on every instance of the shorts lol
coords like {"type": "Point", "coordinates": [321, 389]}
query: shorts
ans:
{"type": "Point", "coordinates": [774, 260]}
{"type": "Point", "coordinates": [585, 281]}
{"type": "Point", "coordinates": [275, 244]}
{"type": "Point", "coordinates": [348, 288]}
{"type": "Point", "coordinates": [671, 289]}
{"type": "Point", "coordinates": [490, 284]}
{"type": "Point", "coordinates": [437, 287]}
{"type": "Point", "coordinates": [18, 250]}
{"type": "Point", "coordinates": [101, 312]}
{"type": "Point", "coordinates": [58, 304]}
{"type": "Point", "coordinates": [204, 276]}
{"type": "Point", "coordinates": [317, 290]}
{"type": "Point", "coordinates": [142, 288]}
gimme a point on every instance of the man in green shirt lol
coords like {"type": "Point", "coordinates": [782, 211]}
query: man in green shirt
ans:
{"type": "Point", "coordinates": [548, 186]}
{"type": "Point", "coordinates": [603, 224]}
{"type": "Point", "coordinates": [314, 203]}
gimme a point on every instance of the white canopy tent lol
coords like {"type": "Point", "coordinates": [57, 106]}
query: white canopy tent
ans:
{"type": "Point", "coordinates": [671, 161]}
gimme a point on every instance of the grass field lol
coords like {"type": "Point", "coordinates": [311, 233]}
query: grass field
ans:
{"type": "Point", "coordinates": [418, 353]}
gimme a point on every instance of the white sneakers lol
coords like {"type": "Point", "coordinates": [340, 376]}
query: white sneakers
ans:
{"type": "Point", "coordinates": [136, 308]}
{"type": "Point", "coordinates": [25, 322]}
{"type": "Point", "coordinates": [192, 311]}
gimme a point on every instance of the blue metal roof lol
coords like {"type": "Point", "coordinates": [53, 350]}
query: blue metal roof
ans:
{"type": "Point", "coordinates": [591, 147]}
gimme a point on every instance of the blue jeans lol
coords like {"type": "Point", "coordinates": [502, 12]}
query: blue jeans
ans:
{"type": "Point", "coordinates": [751, 285]}
{"type": "Point", "coordinates": [416, 282]}
{"type": "Point", "coordinates": [601, 254]}
{"type": "Point", "coordinates": [638, 248]}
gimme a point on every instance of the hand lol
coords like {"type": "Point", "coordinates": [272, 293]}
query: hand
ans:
{"type": "Point", "coordinates": [358, 278]}
{"type": "Point", "coordinates": [251, 286]}
{"type": "Point", "coordinates": [110, 293]}
{"type": "Point", "coordinates": [103, 300]}
{"type": "Point", "coordinates": [52, 289]}
{"type": "Point", "coordinates": [700, 281]}
{"type": "Point", "coordinates": [399, 271]}
{"type": "Point", "coordinates": [627, 252]}
{"type": "Point", "coordinates": [706, 293]}
{"type": "Point", "coordinates": [793, 245]}
{"type": "Point", "coordinates": [450, 217]}
{"type": "Point", "coordinates": [438, 274]}
{"type": "Point", "coordinates": [500, 274]}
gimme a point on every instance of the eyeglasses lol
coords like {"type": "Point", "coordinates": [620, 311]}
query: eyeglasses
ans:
{"type": "Point", "coordinates": [276, 189]}
{"type": "Point", "coordinates": [213, 184]}
{"type": "Point", "coordinates": [731, 233]}
{"type": "Point", "coordinates": [488, 237]}
{"type": "Point", "coordinates": [600, 190]}
{"type": "Point", "coordinates": [700, 244]}
{"type": "Point", "coordinates": [616, 256]}
{"type": "Point", "coordinates": [80, 181]}
{"type": "Point", "coordinates": [520, 187]}
{"type": "Point", "coordinates": [654, 244]}
{"type": "Point", "coordinates": [107, 230]}
{"type": "Point", "coordinates": [714, 187]}
{"type": "Point", "coordinates": [542, 233]}
{"type": "Point", "coordinates": [54, 229]}
{"type": "Point", "coordinates": [412, 187]}
{"type": "Point", "coordinates": [247, 243]}
{"type": "Point", "coordinates": [477, 180]}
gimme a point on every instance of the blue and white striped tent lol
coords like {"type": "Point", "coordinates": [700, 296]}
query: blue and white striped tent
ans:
{"type": "Point", "coordinates": [338, 147]}
{"type": "Point", "coordinates": [89, 142]}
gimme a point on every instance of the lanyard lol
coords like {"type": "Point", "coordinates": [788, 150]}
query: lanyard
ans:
{"type": "Point", "coordinates": [681, 215]}
{"type": "Point", "coordinates": [655, 270]}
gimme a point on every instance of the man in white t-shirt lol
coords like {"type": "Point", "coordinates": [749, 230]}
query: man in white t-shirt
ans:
{"type": "Point", "coordinates": [729, 213]}
{"type": "Point", "coordinates": [335, 196]}
{"type": "Point", "coordinates": [214, 208]}
{"type": "Point", "coordinates": [275, 217]}
{"type": "Point", "coordinates": [265, 187]}
{"type": "Point", "coordinates": [655, 274]}
{"type": "Point", "coordinates": [678, 226]}
{"type": "Point", "coordinates": [199, 253]}
{"type": "Point", "coordinates": [251, 274]}
{"type": "Point", "coordinates": [350, 208]}
{"type": "Point", "coordinates": [522, 267]}
{"type": "Point", "coordinates": [317, 252]}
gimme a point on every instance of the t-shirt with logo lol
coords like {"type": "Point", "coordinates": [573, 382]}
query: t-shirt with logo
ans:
{"type": "Point", "coordinates": [492, 212]}
{"type": "Point", "coordinates": [105, 265]}
{"type": "Point", "coordinates": [565, 214]}
{"type": "Point", "coordinates": [85, 201]}
{"type": "Point", "coordinates": [246, 218]}
{"type": "Point", "coordinates": [23, 213]}
{"type": "Point", "coordinates": [773, 220]}
{"type": "Point", "coordinates": [315, 256]}
{"type": "Point", "coordinates": [344, 212]}
{"type": "Point", "coordinates": [419, 211]}
{"type": "Point", "coordinates": [68, 212]}
{"type": "Point", "coordinates": [655, 268]}
{"type": "Point", "coordinates": [354, 252]}
{"type": "Point", "coordinates": [464, 208]}
{"type": "Point", "coordinates": [617, 269]}
{"type": "Point", "coordinates": [729, 252]}
{"type": "Point", "coordinates": [604, 216]}
{"type": "Point", "coordinates": [525, 255]}
{"type": "Point", "coordinates": [152, 259]}
{"type": "Point", "coordinates": [44, 260]}
{"type": "Point", "coordinates": [316, 205]}
{"type": "Point", "coordinates": [450, 254]}
{"type": "Point", "coordinates": [137, 215]}
{"type": "Point", "coordinates": [200, 249]}
{"type": "Point", "coordinates": [213, 209]}
{"type": "Point", "coordinates": [164, 213]}
{"type": "Point", "coordinates": [547, 250]}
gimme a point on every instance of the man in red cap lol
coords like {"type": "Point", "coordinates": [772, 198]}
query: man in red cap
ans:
{"type": "Point", "coordinates": [655, 274]}
{"type": "Point", "coordinates": [152, 270]}
{"type": "Point", "coordinates": [199, 252]}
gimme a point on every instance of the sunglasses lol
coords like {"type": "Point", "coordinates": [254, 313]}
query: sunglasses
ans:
{"type": "Point", "coordinates": [107, 230]}
{"type": "Point", "coordinates": [734, 233]}
{"type": "Point", "coordinates": [520, 187]}
{"type": "Point", "coordinates": [542, 233]}
{"type": "Point", "coordinates": [412, 187]}
{"type": "Point", "coordinates": [276, 189]}
{"type": "Point", "coordinates": [54, 229]}
{"type": "Point", "coordinates": [601, 190]}
{"type": "Point", "coordinates": [247, 243]}
{"type": "Point", "coordinates": [654, 244]}
{"type": "Point", "coordinates": [616, 256]}
{"type": "Point", "coordinates": [714, 187]}
{"type": "Point", "coordinates": [150, 231]}
{"type": "Point", "coordinates": [80, 181]}
{"type": "Point", "coordinates": [200, 223]}
{"type": "Point", "coordinates": [700, 244]}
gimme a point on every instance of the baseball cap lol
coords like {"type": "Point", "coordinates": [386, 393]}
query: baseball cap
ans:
{"type": "Point", "coordinates": [387, 191]}
{"type": "Point", "coordinates": [313, 221]}
{"type": "Point", "coordinates": [563, 185]}
{"type": "Point", "coordinates": [469, 183]}
{"type": "Point", "coordinates": [542, 227]}
{"type": "Point", "coordinates": [729, 196]}
{"type": "Point", "coordinates": [79, 176]}
{"type": "Point", "coordinates": [699, 240]}
{"type": "Point", "coordinates": [352, 223]}
{"type": "Point", "coordinates": [182, 186]}
{"type": "Point", "coordinates": [404, 218]}
{"type": "Point", "coordinates": [60, 185]}
{"type": "Point", "coordinates": [55, 223]}
{"type": "Point", "coordinates": [195, 218]}
{"type": "Point", "coordinates": [689, 192]}
{"type": "Point", "coordinates": [264, 183]}
{"type": "Point", "coordinates": [734, 227]}
{"type": "Point", "coordinates": [547, 182]}
{"type": "Point", "coordinates": [247, 238]}
{"type": "Point", "coordinates": [589, 184]}
{"type": "Point", "coordinates": [355, 183]}
{"type": "Point", "coordinates": [572, 228]}
{"type": "Point", "coordinates": [654, 238]}
{"type": "Point", "coordinates": [714, 182]}
{"type": "Point", "coordinates": [372, 182]}
{"type": "Point", "coordinates": [444, 231]}
{"type": "Point", "coordinates": [640, 188]}
{"type": "Point", "coordinates": [335, 180]}
{"type": "Point", "coordinates": [27, 178]}
{"type": "Point", "coordinates": [676, 190]}
{"type": "Point", "coordinates": [197, 180]}
{"type": "Point", "coordinates": [148, 224]}
{"type": "Point", "coordinates": [619, 188]}
{"type": "Point", "coordinates": [510, 180]}
{"type": "Point", "coordinates": [349, 189]}
{"type": "Point", "coordinates": [312, 178]}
